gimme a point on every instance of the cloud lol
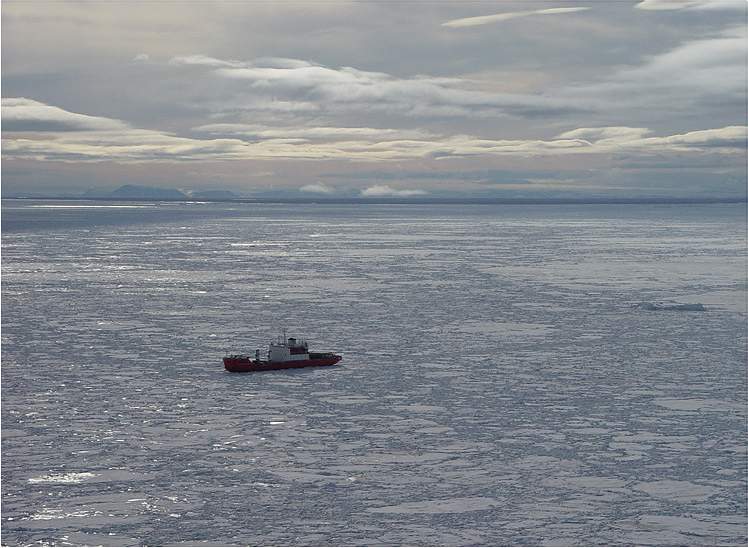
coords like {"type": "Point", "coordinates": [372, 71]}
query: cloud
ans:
{"type": "Point", "coordinates": [303, 92]}
{"type": "Point", "coordinates": [93, 139]}
{"type": "Point", "coordinates": [695, 72]}
{"type": "Point", "coordinates": [347, 89]}
{"type": "Point", "coordinates": [281, 62]}
{"type": "Point", "coordinates": [710, 63]}
{"type": "Point", "coordinates": [704, 73]}
{"type": "Point", "coordinates": [613, 133]}
{"type": "Point", "coordinates": [35, 130]}
{"type": "Point", "coordinates": [204, 60]}
{"type": "Point", "coordinates": [667, 5]}
{"type": "Point", "coordinates": [20, 114]}
{"type": "Point", "coordinates": [314, 133]}
{"type": "Point", "coordinates": [478, 176]}
{"type": "Point", "coordinates": [731, 139]}
{"type": "Point", "coordinates": [317, 188]}
{"type": "Point", "coordinates": [260, 62]}
{"type": "Point", "coordinates": [136, 146]}
{"type": "Point", "coordinates": [386, 190]}
{"type": "Point", "coordinates": [496, 18]}
{"type": "Point", "coordinates": [272, 105]}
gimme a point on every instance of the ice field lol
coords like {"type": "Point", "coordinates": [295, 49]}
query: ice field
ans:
{"type": "Point", "coordinates": [511, 375]}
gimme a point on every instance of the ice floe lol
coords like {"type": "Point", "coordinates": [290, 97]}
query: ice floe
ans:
{"type": "Point", "coordinates": [72, 477]}
{"type": "Point", "coordinates": [448, 506]}
{"type": "Point", "coordinates": [683, 307]}
{"type": "Point", "coordinates": [677, 491]}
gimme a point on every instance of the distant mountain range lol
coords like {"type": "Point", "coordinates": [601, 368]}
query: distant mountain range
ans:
{"type": "Point", "coordinates": [138, 192]}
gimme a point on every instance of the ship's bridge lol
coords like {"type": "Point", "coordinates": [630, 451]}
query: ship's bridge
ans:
{"type": "Point", "coordinates": [288, 350]}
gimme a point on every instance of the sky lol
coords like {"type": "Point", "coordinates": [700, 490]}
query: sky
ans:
{"type": "Point", "coordinates": [418, 99]}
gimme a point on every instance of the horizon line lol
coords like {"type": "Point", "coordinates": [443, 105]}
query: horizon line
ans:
{"type": "Point", "coordinates": [412, 201]}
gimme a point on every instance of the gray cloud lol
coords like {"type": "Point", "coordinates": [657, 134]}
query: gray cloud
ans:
{"type": "Point", "coordinates": [710, 66]}
{"type": "Point", "coordinates": [480, 176]}
{"type": "Point", "coordinates": [21, 114]}
{"type": "Point", "coordinates": [319, 87]}
{"type": "Point", "coordinates": [506, 16]}
{"type": "Point", "coordinates": [669, 5]}
{"type": "Point", "coordinates": [260, 132]}
{"type": "Point", "coordinates": [690, 75]}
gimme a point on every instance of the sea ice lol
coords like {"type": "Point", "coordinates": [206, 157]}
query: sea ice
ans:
{"type": "Point", "coordinates": [71, 477]}
{"type": "Point", "coordinates": [493, 389]}
{"type": "Point", "coordinates": [684, 307]}
{"type": "Point", "coordinates": [448, 506]}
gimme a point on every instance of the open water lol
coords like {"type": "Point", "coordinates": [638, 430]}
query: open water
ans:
{"type": "Point", "coordinates": [501, 384]}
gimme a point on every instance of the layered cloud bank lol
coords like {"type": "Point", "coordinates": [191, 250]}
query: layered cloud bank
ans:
{"type": "Point", "coordinates": [45, 132]}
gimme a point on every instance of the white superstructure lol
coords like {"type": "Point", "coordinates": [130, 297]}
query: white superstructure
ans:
{"type": "Point", "coordinates": [288, 350]}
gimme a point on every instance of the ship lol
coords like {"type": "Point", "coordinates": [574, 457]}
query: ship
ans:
{"type": "Point", "coordinates": [283, 353]}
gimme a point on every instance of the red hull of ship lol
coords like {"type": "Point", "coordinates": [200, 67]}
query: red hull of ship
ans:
{"type": "Point", "coordinates": [245, 365]}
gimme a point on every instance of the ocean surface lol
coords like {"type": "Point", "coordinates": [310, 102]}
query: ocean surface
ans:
{"type": "Point", "coordinates": [511, 375]}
